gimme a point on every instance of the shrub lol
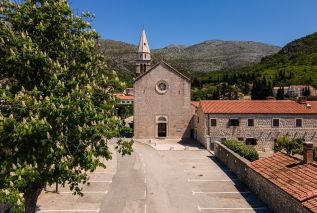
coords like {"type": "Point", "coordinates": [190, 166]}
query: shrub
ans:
{"type": "Point", "coordinates": [294, 146]}
{"type": "Point", "coordinates": [243, 150]}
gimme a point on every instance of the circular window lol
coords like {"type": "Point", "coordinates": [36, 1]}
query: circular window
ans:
{"type": "Point", "coordinates": [161, 87]}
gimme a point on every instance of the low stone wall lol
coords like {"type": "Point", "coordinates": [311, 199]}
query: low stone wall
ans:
{"type": "Point", "coordinates": [275, 198]}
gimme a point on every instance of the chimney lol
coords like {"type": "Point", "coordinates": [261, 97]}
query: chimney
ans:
{"type": "Point", "coordinates": [308, 152]}
{"type": "Point", "coordinates": [302, 100]}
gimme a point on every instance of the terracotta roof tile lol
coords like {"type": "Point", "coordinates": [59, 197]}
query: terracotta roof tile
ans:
{"type": "Point", "coordinates": [288, 173]}
{"type": "Point", "coordinates": [255, 107]}
{"type": "Point", "coordinates": [123, 96]}
{"type": "Point", "coordinates": [195, 103]}
{"type": "Point", "coordinates": [313, 104]}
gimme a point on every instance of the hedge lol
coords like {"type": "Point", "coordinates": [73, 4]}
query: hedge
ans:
{"type": "Point", "coordinates": [243, 150]}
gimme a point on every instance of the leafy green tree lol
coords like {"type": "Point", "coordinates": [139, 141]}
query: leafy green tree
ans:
{"type": "Point", "coordinates": [56, 105]}
{"type": "Point", "coordinates": [290, 146]}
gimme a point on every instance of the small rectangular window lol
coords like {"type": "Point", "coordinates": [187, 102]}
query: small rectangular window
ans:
{"type": "Point", "coordinates": [213, 122]}
{"type": "Point", "coordinates": [234, 122]}
{"type": "Point", "coordinates": [251, 141]}
{"type": "Point", "coordinates": [276, 122]}
{"type": "Point", "coordinates": [251, 122]}
{"type": "Point", "coordinates": [299, 122]}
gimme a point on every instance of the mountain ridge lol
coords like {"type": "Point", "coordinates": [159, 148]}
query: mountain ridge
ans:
{"type": "Point", "coordinates": [206, 56]}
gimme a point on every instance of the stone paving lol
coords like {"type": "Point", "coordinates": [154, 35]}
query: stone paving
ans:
{"type": "Point", "coordinates": [94, 193]}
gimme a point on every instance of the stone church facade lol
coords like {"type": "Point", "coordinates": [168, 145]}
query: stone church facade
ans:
{"type": "Point", "coordinates": [162, 106]}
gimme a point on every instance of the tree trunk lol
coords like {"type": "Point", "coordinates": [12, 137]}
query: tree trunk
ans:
{"type": "Point", "coordinates": [32, 193]}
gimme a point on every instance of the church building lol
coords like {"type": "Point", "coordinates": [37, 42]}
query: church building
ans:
{"type": "Point", "coordinates": [162, 105]}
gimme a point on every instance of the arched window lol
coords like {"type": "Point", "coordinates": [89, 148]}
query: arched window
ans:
{"type": "Point", "coordinates": [161, 119]}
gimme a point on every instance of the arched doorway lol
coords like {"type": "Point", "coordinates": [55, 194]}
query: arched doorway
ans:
{"type": "Point", "coordinates": [161, 127]}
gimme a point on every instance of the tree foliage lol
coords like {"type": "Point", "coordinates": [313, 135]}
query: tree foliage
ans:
{"type": "Point", "coordinates": [294, 146]}
{"type": "Point", "coordinates": [57, 109]}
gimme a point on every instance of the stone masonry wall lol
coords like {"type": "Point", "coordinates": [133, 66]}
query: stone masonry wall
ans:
{"type": "Point", "coordinates": [200, 126]}
{"type": "Point", "coordinates": [174, 104]}
{"type": "Point", "coordinates": [263, 130]}
{"type": "Point", "coordinates": [276, 199]}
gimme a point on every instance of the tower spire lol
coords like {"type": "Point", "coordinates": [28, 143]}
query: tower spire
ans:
{"type": "Point", "coordinates": [143, 60]}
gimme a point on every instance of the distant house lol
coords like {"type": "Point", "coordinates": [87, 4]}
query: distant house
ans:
{"type": "Point", "coordinates": [295, 90]}
{"type": "Point", "coordinates": [129, 91]}
{"type": "Point", "coordinates": [255, 122]}
{"type": "Point", "coordinates": [124, 99]}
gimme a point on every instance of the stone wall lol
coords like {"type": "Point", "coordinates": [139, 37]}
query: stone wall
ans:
{"type": "Point", "coordinates": [262, 129]}
{"type": "Point", "coordinates": [200, 125]}
{"type": "Point", "coordinates": [175, 104]}
{"type": "Point", "coordinates": [275, 198]}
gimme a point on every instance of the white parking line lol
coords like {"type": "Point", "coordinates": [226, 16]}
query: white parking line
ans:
{"type": "Point", "coordinates": [106, 192]}
{"type": "Point", "coordinates": [245, 192]}
{"type": "Point", "coordinates": [256, 208]}
{"type": "Point", "coordinates": [197, 163]}
{"type": "Point", "coordinates": [207, 170]}
{"type": "Point", "coordinates": [72, 210]}
{"type": "Point", "coordinates": [204, 180]}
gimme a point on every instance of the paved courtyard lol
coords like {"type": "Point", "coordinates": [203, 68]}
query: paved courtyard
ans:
{"type": "Point", "coordinates": [159, 181]}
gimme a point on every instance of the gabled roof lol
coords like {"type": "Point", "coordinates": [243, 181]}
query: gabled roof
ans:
{"type": "Point", "coordinates": [163, 63]}
{"type": "Point", "coordinates": [291, 175]}
{"type": "Point", "coordinates": [143, 44]}
{"type": "Point", "coordinates": [255, 107]}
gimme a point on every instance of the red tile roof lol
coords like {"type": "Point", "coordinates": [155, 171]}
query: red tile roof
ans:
{"type": "Point", "coordinates": [289, 174]}
{"type": "Point", "coordinates": [195, 103]}
{"type": "Point", "coordinates": [313, 104]}
{"type": "Point", "coordinates": [255, 107]}
{"type": "Point", "coordinates": [123, 96]}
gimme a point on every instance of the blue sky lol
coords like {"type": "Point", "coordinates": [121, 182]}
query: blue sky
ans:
{"type": "Point", "coordinates": [192, 21]}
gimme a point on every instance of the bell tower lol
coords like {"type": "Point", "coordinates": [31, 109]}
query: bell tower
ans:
{"type": "Point", "coordinates": [143, 59]}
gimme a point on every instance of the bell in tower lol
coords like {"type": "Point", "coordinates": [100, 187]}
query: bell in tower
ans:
{"type": "Point", "coordinates": [143, 60]}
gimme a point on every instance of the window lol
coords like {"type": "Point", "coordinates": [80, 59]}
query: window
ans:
{"type": "Point", "coordinates": [161, 87]}
{"type": "Point", "coordinates": [213, 122]}
{"type": "Point", "coordinates": [240, 139]}
{"type": "Point", "coordinates": [123, 102]}
{"type": "Point", "coordinates": [251, 122]}
{"type": "Point", "coordinates": [299, 122]}
{"type": "Point", "coordinates": [251, 141]}
{"type": "Point", "coordinates": [234, 122]}
{"type": "Point", "coordinates": [276, 122]}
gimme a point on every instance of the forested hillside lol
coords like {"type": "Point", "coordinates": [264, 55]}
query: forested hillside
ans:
{"type": "Point", "coordinates": [296, 63]}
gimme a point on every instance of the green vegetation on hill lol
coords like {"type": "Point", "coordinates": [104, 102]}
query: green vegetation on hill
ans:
{"type": "Point", "coordinates": [294, 64]}
{"type": "Point", "coordinates": [205, 57]}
